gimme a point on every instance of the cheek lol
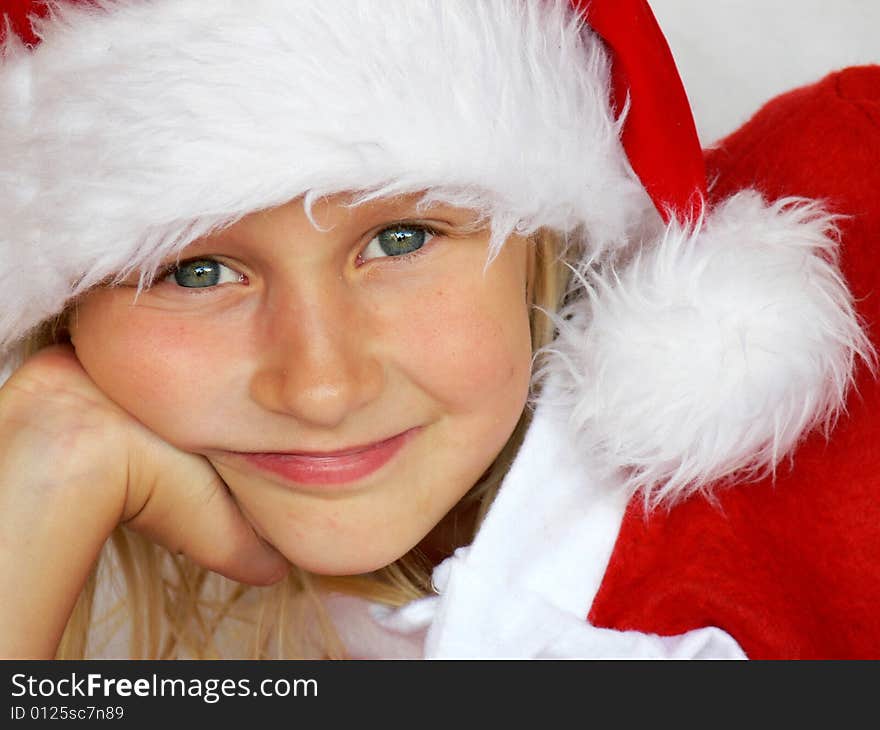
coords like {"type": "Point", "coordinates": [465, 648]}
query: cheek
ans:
{"type": "Point", "coordinates": [468, 342]}
{"type": "Point", "coordinates": [151, 365]}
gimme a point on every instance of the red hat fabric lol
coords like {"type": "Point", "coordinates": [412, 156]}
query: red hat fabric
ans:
{"type": "Point", "coordinates": [18, 13]}
{"type": "Point", "coordinates": [659, 136]}
{"type": "Point", "coordinates": [788, 565]}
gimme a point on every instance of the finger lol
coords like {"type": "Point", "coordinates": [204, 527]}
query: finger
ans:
{"type": "Point", "coordinates": [189, 510]}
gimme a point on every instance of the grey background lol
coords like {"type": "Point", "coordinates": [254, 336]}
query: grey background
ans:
{"type": "Point", "coordinates": [733, 55]}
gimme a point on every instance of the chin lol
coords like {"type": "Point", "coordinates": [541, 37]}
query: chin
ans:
{"type": "Point", "coordinates": [349, 565]}
{"type": "Point", "coordinates": [341, 562]}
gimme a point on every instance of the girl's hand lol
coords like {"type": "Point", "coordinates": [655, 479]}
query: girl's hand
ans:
{"type": "Point", "coordinates": [73, 465]}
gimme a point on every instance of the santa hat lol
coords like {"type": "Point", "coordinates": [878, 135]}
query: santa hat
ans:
{"type": "Point", "coordinates": [706, 343]}
{"type": "Point", "coordinates": [788, 567]}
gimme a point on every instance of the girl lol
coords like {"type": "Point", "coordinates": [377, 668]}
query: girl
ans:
{"type": "Point", "coordinates": [287, 296]}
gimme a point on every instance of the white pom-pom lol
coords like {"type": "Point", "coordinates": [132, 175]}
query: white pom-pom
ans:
{"type": "Point", "coordinates": [712, 352]}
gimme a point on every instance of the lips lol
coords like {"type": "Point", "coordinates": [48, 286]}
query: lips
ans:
{"type": "Point", "coordinates": [337, 467]}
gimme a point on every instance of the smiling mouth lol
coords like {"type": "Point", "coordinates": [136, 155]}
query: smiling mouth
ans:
{"type": "Point", "coordinates": [330, 467]}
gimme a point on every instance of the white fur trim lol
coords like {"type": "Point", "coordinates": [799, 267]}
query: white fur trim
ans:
{"type": "Point", "coordinates": [133, 129]}
{"type": "Point", "coordinates": [711, 353]}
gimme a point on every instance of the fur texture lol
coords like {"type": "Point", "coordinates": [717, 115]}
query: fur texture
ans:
{"type": "Point", "coordinates": [786, 565]}
{"type": "Point", "coordinates": [137, 126]}
{"type": "Point", "coordinates": [713, 350]}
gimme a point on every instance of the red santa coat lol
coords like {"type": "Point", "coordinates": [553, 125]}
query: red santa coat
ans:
{"type": "Point", "coordinates": [789, 566]}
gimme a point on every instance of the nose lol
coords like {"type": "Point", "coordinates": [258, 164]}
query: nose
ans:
{"type": "Point", "coordinates": [318, 360]}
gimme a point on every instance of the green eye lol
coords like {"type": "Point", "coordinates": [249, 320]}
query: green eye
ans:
{"type": "Point", "coordinates": [202, 274]}
{"type": "Point", "coordinates": [397, 241]}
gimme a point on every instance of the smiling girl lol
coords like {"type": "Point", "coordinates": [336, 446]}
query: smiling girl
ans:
{"type": "Point", "coordinates": [382, 306]}
{"type": "Point", "coordinates": [363, 376]}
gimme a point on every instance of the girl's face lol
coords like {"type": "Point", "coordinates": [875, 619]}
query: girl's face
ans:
{"type": "Point", "coordinates": [275, 337]}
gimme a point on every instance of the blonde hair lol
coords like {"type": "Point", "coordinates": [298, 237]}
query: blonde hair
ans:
{"type": "Point", "coordinates": [174, 608]}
